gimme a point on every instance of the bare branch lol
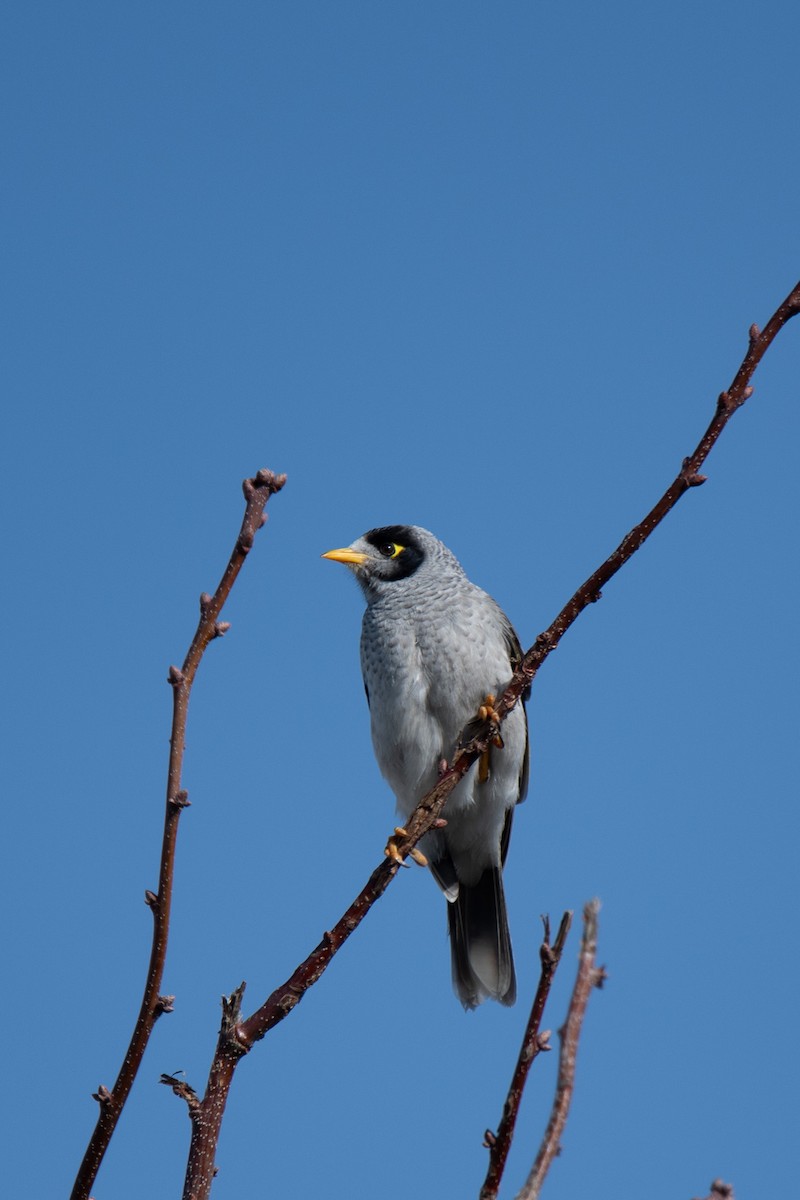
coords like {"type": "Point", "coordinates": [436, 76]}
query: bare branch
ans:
{"type": "Point", "coordinates": [533, 1044]}
{"type": "Point", "coordinates": [428, 812]}
{"type": "Point", "coordinates": [257, 492]}
{"type": "Point", "coordinates": [589, 976]}
{"type": "Point", "coordinates": [430, 807]}
{"type": "Point", "coordinates": [237, 1037]}
{"type": "Point", "coordinates": [206, 1116]}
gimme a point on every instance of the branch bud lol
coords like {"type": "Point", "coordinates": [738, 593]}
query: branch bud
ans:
{"type": "Point", "coordinates": [175, 677]}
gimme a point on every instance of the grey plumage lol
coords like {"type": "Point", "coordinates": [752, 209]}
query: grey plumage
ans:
{"type": "Point", "coordinates": [433, 646]}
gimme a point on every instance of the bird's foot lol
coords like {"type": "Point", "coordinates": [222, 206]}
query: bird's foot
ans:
{"type": "Point", "coordinates": [488, 712]}
{"type": "Point", "coordinates": [392, 850]}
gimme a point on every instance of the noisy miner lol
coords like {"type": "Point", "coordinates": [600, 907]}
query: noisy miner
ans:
{"type": "Point", "coordinates": [434, 649]}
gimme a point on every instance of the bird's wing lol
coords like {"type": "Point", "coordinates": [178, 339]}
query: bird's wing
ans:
{"type": "Point", "coordinates": [505, 837]}
{"type": "Point", "coordinates": [515, 656]}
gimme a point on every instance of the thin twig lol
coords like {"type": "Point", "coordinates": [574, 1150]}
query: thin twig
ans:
{"type": "Point", "coordinates": [237, 1038]}
{"type": "Point", "coordinates": [533, 1044]}
{"type": "Point", "coordinates": [241, 1039]}
{"type": "Point", "coordinates": [206, 1115]}
{"type": "Point", "coordinates": [429, 810]}
{"type": "Point", "coordinates": [688, 477]}
{"type": "Point", "coordinates": [589, 977]}
{"type": "Point", "coordinates": [257, 492]}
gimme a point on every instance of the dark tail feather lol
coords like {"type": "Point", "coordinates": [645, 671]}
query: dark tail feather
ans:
{"type": "Point", "coordinates": [480, 945]}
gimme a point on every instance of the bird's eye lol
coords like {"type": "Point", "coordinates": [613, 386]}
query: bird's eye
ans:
{"type": "Point", "coordinates": [390, 549]}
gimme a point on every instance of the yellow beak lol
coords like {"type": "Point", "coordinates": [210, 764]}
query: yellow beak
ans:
{"type": "Point", "coordinates": [352, 558]}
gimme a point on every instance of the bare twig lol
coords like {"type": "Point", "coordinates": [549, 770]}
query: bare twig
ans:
{"type": "Point", "coordinates": [533, 1043]}
{"type": "Point", "coordinates": [720, 1191]}
{"type": "Point", "coordinates": [206, 1115]}
{"type": "Point", "coordinates": [257, 492]}
{"type": "Point", "coordinates": [688, 477]}
{"type": "Point", "coordinates": [589, 976]}
{"type": "Point", "coordinates": [237, 1038]}
{"type": "Point", "coordinates": [429, 811]}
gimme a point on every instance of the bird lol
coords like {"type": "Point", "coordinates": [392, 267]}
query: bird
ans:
{"type": "Point", "coordinates": [435, 648]}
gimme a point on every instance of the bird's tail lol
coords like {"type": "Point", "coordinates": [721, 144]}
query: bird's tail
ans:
{"type": "Point", "coordinates": [480, 944]}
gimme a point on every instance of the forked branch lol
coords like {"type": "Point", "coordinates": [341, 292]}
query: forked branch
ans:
{"type": "Point", "coordinates": [534, 1043]}
{"type": "Point", "coordinates": [257, 492]}
{"type": "Point", "coordinates": [238, 1039]}
{"type": "Point", "coordinates": [589, 977]}
{"type": "Point", "coordinates": [589, 592]}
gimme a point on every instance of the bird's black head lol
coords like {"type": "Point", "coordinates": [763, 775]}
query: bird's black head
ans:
{"type": "Point", "coordinates": [395, 551]}
{"type": "Point", "coordinates": [392, 554]}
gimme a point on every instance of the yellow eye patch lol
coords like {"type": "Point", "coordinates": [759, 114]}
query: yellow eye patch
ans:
{"type": "Point", "coordinates": [391, 549]}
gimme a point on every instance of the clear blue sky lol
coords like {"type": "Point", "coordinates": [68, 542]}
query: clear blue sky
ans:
{"type": "Point", "coordinates": [482, 267]}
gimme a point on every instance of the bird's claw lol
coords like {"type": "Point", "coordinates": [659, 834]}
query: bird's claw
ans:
{"type": "Point", "coordinates": [392, 850]}
{"type": "Point", "coordinates": [488, 712]}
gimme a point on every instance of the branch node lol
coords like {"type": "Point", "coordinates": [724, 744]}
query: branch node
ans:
{"type": "Point", "coordinates": [175, 677]}
{"type": "Point", "coordinates": [183, 1090]}
{"type": "Point", "coordinates": [268, 479]}
{"type": "Point", "coordinates": [103, 1096]}
{"type": "Point", "coordinates": [262, 479]}
{"type": "Point", "coordinates": [150, 899]}
{"type": "Point", "coordinates": [180, 799]}
{"type": "Point", "coordinates": [690, 477]}
{"type": "Point", "coordinates": [221, 628]}
{"type": "Point", "coordinates": [547, 955]}
{"type": "Point", "coordinates": [489, 1139]}
{"type": "Point", "coordinates": [754, 333]}
{"type": "Point", "coordinates": [205, 602]}
{"type": "Point", "coordinates": [544, 645]}
{"type": "Point", "coordinates": [720, 1191]}
{"type": "Point", "coordinates": [164, 1004]}
{"type": "Point", "coordinates": [728, 403]}
{"type": "Point", "coordinates": [232, 1008]}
